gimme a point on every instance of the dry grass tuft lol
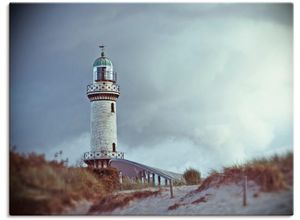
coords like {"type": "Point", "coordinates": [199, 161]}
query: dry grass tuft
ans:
{"type": "Point", "coordinates": [174, 206]}
{"type": "Point", "coordinates": [201, 199]}
{"type": "Point", "coordinates": [111, 202]}
{"type": "Point", "coordinates": [39, 187]}
{"type": "Point", "coordinates": [272, 174]}
{"type": "Point", "coordinates": [129, 184]}
{"type": "Point", "coordinates": [109, 177]}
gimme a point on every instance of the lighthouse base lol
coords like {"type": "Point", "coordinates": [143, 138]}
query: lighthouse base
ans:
{"type": "Point", "coordinates": [98, 163]}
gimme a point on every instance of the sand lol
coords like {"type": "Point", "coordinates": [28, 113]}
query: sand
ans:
{"type": "Point", "coordinates": [225, 200]}
{"type": "Point", "coordinates": [222, 200]}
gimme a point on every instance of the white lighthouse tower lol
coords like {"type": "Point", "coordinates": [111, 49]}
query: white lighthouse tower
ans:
{"type": "Point", "coordinates": [103, 94]}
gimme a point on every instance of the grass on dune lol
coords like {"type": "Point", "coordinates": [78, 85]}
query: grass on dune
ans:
{"type": "Point", "coordinates": [271, 174]}
{"type": "Point", "coordinates": [40, 187]}
{"type": "Point", "coordinates": [110, 203]}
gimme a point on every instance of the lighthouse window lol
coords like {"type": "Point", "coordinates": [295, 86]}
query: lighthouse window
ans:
{"type": "Point", "coordinates": [114, 147]}
{"type": "Point", "coordinates": [112, 107]}
{"type": "Point", "coordinates": [103, 72]}
{"type": "Point", "coordinates": [100, 73]}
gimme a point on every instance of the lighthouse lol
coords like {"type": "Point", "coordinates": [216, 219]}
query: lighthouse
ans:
{"type": "Point", "coordinates": [103, 94]}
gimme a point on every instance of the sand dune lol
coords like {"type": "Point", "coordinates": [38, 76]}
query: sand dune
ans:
{"type": "Point", "coordinates": [223, 200]}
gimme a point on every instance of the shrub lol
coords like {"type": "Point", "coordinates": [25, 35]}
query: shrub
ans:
{"type": "Point", "coordinates": [109, 177]}
{"type": "Point", "coordinates": [192, 176]}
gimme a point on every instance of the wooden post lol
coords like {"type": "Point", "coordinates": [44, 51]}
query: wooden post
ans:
{"type": "Point", "coordinates": [166, 181]}
{"type": "Point", "coordinates": [148, 177]}
{"type": "Point", "coordinates": [121, 180]}
{"type": "Point", "coordinates": [144, 177]}
{"type": "Point", "coordinates": [153, 179]}
{"type": "Point", "coordinates": [120, 177]}
{"type": "Point", "coordinates": [171, 188]}
{"type": "Point", "coordinates": [245, 191]}
{"type": "Point", "coordinates": [158, 178]}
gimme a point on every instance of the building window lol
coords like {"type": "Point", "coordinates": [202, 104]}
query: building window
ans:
{"type": "Point", "coordinates": [114, 147]}
{"type": "Point", "coordinates": [112, 107]}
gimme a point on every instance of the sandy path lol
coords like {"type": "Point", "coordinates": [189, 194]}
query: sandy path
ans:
{"type": "Point", "coordinates": [225, 200]}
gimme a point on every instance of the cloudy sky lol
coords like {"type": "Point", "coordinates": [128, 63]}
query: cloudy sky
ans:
{"type": "Point", "coordinates": [202, 85]}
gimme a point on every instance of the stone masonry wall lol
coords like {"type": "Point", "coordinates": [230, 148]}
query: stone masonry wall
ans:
{"type": "Point", "coordinates": [103, 125]}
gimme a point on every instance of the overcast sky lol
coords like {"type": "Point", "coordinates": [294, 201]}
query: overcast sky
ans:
{"type": "Point", "coordinates": [202, 85]}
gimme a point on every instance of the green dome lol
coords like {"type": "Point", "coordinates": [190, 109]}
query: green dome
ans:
{"type": "Point", "coordinates": [102, 61]}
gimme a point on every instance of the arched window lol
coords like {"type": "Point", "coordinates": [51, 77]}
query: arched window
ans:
{"type": "Point", "coordinates": [112, 107]}
{"type": "Point", "coordinates": [114, 147]}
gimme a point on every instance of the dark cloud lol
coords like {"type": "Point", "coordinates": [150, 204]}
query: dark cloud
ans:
{"type": "Point", "coordinates": [216, 78]}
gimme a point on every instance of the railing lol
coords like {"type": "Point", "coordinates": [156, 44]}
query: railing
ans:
{"type": "Point", "coordinates": [103, 88]}
{"type": "Point", "coordinates": [92, 155]}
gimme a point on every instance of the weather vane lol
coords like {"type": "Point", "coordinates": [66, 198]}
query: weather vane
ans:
{"type": "Point", "coordinates": [102, 48]}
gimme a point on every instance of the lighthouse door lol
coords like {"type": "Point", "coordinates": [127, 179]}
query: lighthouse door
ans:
{"type": "Point", "coordinates": [114, 147]}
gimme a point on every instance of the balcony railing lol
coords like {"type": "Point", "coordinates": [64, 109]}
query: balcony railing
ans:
{"type": "Point", "coordinates": [92, 155]}
{"type": "Point", "coordinates": [92, 88]}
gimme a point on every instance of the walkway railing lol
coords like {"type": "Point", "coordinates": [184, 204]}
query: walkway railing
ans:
{"type": "Point", "coordinates": [147, 171]}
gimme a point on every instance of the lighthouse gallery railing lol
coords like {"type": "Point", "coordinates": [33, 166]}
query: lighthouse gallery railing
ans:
{"type": "Point", "coordinates": [92, 155]}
